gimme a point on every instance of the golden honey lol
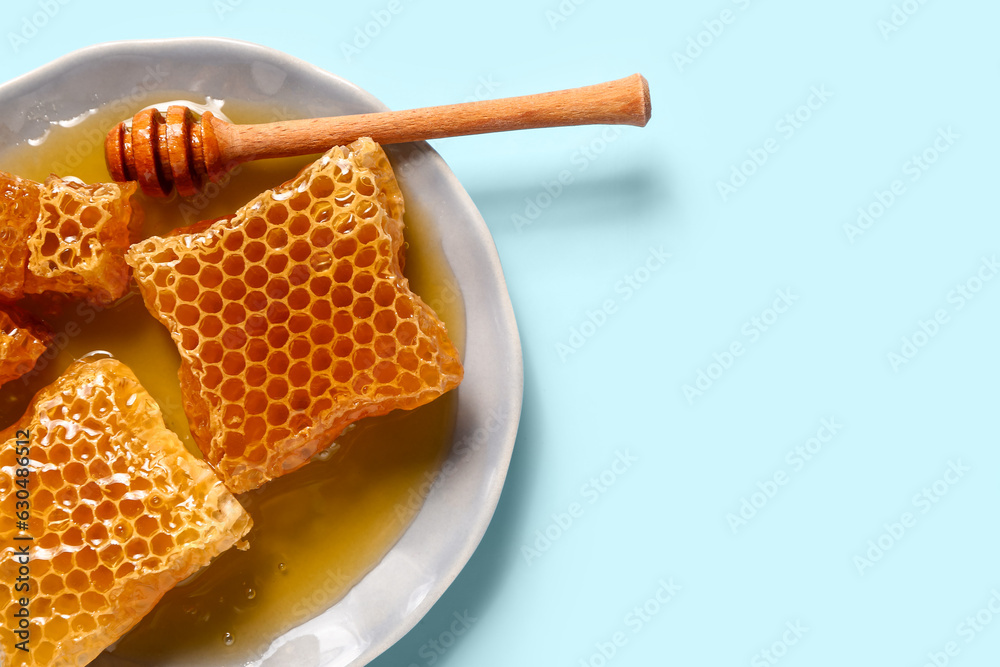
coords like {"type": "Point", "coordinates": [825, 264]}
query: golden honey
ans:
{"type": "Point", "coordinates": [293, 318]}
{"type": "Point", "coordinates": [75, 236]}
{"type": "Point", "coordinates": [122, 512]}
{"type": "Point", "coordinates": [316, 531]}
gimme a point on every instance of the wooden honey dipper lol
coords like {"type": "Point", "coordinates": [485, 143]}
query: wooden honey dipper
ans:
{"type": "Point", "coordinates": [162, 151]}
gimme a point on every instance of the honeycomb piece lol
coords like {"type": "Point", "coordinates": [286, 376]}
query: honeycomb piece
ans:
{"type": "Point", "coordinates": [79, 242]}
{"type": "Point", "coordinates": [119, 513]}
{"type": "Point", "coordinates": [293, 318]}
{"type": "Point", "coordinates": [19, 208]}
{"type": "Point", "coordinates": [22, 341]}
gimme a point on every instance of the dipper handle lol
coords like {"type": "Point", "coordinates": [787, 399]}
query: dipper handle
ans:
{"type": "Point", "coordinates": [163, 151]}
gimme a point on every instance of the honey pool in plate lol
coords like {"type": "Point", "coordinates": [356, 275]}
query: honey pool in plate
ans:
{"type": "Point", "coordinates": [316, 531]}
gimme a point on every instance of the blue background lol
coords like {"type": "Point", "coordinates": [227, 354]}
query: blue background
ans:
{"type": "Point", "coordinates": [847, 551]}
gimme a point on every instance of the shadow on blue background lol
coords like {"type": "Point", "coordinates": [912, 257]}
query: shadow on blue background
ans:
{"type": "Point", "coordinates": [482, 577]}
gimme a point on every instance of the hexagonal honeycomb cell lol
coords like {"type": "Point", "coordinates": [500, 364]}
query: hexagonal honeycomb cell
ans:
{"type": "Point", "coordinates": [23, 340]}
{"type": "Point", "coordinates": [119, 513]}
{"type": "Point", "coordinates": [293, 318]}
{"type": "Point", "coordinates": [65, 237]}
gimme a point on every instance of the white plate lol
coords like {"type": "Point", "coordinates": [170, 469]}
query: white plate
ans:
{"type": "Point", "coordinates": [401, 589]}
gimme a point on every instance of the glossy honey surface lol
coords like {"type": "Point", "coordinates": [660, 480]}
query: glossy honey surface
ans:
{"type": "Point", "coordinates": [316, 531]}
